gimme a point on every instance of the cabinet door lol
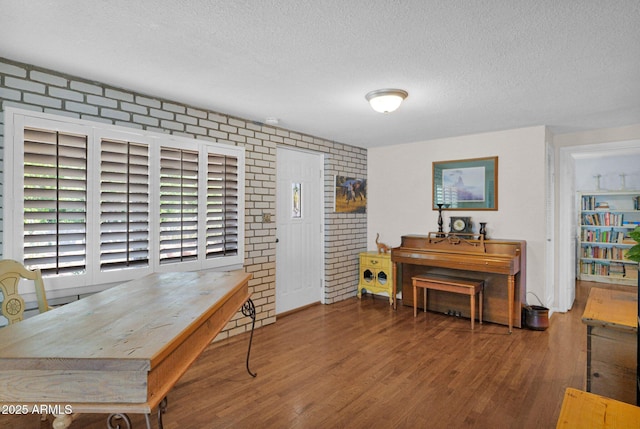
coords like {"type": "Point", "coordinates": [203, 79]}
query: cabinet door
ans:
{"type": "Point", "coordinates": [383, 278]}
{"type": "Point", "coordinates": [368, 276]}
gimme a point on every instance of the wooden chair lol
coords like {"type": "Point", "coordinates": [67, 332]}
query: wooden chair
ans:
{"type": "Point", "coordinates": [11, 272]}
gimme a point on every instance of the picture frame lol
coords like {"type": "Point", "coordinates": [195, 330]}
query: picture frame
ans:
{"type": "Point", "coordinates": [466, 184]}
{"type": "Point", "coordinates": [350, 194]}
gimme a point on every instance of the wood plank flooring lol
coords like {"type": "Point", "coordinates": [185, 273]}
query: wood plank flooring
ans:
{"type": "Point", "coordinates": [360, 364]}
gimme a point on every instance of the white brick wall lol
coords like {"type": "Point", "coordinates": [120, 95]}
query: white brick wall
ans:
{"type": "Point", "coordinates": [32, 88]}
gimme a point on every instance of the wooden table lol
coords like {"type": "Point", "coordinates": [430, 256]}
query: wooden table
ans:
{"type": "Point", "coordinates": [119, 351]}
{"type": "Point", "coordinates": [586, 410]}
{"type": "Point", "coordinates": [611, 319]}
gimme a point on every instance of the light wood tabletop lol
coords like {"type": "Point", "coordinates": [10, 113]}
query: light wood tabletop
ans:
{"type": "Point", "coordinates": [120, 350]}
{"type": "Point", "coordinates": [582, 410]}
{"type": "Point", "coordinates": [611, 308]}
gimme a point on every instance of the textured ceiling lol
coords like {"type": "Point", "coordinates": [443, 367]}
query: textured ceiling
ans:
{"type": "Point", "coordinates": [469, 66]}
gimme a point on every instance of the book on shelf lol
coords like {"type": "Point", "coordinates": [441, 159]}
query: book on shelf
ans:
{"type": "Point", "coordinates": [596, 252]}
{"type": "Point", "coordinates": [609, 269]}
{"type": "Point", "coordinates": [603, 219]}
{"type": "Point", "coordinates": [589, 202]}
{"type": "Point", "coordinates": [617, 270]}
{"type": "Point", "coordinates": [602, 236]}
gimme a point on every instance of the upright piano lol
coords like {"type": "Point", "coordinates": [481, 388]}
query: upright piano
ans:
{"type": "Point", "coordinates": [500, 263]}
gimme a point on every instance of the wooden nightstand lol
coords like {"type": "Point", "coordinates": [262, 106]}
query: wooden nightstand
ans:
{"type": "Point", "coordinates": [375, 274]}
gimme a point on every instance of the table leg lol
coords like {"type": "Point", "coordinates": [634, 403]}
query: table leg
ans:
{"type": "Point", "coordinates": [511, 287]}
{"type": "Point", "coordinates": [472, 302]}
{"type": "Point", "coordinates": [415, 300]}
{"type": "Point", "coordinates": [480, 306]}
{"type": "Point", "coordinates": [162, 408]}
{"type": "Point", "coordinates": [249, 309]}
{"type": "Point", "coordinates": [394, 276]}
{"type": "Point", "coordinates": [114, 420]}
{"type": "Point", "coordinates": [425, 300]}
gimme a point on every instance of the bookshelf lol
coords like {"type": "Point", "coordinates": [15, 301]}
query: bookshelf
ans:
{"type": "Point", "coordinates": [605, 220]}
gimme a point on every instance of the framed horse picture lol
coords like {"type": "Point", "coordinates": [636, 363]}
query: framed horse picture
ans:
{"type": "Point", "coordinates": [350, 195]}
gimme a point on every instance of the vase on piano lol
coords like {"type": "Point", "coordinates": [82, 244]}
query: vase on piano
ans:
{"type": "Point", "coordinates": [440, 221]}
{"type": "Point", "coordinates": [483, 230]}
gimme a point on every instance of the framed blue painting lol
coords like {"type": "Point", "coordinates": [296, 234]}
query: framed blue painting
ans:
{"type": "Point", "coordinates": [466, 184]}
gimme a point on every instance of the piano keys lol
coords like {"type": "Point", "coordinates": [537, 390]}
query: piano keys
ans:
{"type": "Point", "coordinates": [500, 263]}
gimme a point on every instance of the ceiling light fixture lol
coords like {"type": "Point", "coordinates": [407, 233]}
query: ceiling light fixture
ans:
{"type": "Point", "coordinates": [386, 100]}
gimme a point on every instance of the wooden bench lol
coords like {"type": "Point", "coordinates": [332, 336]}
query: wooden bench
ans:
{"type": "Point", "coordinates": [464, 286]}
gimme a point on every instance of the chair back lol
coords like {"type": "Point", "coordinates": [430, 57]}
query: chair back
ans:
{"type": "Point", "coordinates": [11, 272]}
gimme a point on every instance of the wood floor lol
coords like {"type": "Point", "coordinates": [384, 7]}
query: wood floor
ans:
{"type": "Point", "coordinates": [360, 364]}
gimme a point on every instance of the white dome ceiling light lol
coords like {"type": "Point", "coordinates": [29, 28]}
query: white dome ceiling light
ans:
{"type": "Point", "coordinates": [386, 100]}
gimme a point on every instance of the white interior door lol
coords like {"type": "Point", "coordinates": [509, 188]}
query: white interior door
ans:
{"type": "Point", "coordinates": [299, 229]}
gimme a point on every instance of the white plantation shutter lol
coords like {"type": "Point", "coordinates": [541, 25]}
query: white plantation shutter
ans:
{"type": "Point", "coordinates": [55, 201]}
{"type": "Point", "coordinates": [124, 205]}
{"type": "Point", "coordinates": [178, 205]}
{"type": "Point", "coordinates": [92, 204]}
{"type": "Point", "coordinates": [222, 205]}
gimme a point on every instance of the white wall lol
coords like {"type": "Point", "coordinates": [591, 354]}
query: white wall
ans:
{"type": "Point", "coordinates": [609, 167]}
{"type": "Point", "coordinates": [400, 183]}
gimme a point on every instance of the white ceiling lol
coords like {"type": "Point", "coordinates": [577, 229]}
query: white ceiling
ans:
{"type": "Point", "coordinates": [469, 66]}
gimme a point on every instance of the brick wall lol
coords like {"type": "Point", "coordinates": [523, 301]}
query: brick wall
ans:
{"type": "Point", "coordinates": [32, 88]}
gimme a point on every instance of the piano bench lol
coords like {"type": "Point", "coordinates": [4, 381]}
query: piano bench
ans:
{"type": "Point", "coordinates": [461, 285]}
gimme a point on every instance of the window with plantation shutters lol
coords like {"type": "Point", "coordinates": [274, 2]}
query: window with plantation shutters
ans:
{"type": "Point", "coordinates": [124, 205]}
{"type": "Point", "coordinates": [178, 205]}
{"type": "Point", "coordinates": [55, 201]}
{"type": "Point", "coordinates": [222, 205]}
{"type": "Point", "coordinates": [93, 204]}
